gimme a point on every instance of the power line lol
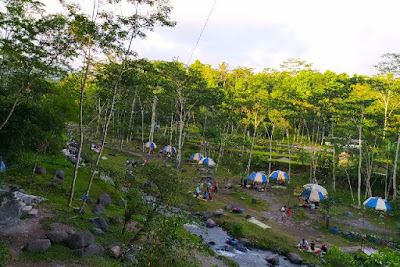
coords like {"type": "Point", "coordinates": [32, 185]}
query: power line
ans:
{"type": "Point", "coordinates": [201, 33]}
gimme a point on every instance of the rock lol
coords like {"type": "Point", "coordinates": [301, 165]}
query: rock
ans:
{"type": "Point", "coordinates": [227, 248]}
{"type": "Point", "coordinates": [93, 249]}
{"type": "Point", "coordinates": [273, 259]}
{"type": "Point", "coordinates": [26, 209]}
{"type": "Point", "coordinates": [107, 179]}
{"type": "Point", "coordinates": [97, 231]}
{"type": "Point", "coordinates": [78, 210]}
{"type": "Point", "coordinates": [100, 223]}
{"type": "Point", "coordinates": [104, 200]}
{"type": "Point", "coordinates": [244, 241]}
{"type": "Point", "coordinates": [103, 157]}
{"type": "Point", "coordinates": [28, 199]}
{"type": "Point", "coordinates": [347, 213]}
{"type": "Point", "coordinates": [80, 240]}
{"type": "Point", "coordinates": [254, 201]}
{"type": "Point", "coordinates": [130, 259]}
{"type": "Point", "coordinates": [219, 212]}
{"type": "Point", "coordinates": [114, 250]}
{"type": "Point", "coordinates": [4, 189]}
{"type": "Point", "coordinates": [114, 219]}
{"type": "Point", "coordinates": [33, 213]}
{"type": "Point", "coordinates": [210, 223]}
{"type": "Point", "coordinates": [40, 170]}
{"type": "Point", "coordinates": [242, 198]}
{"type": "Point", "coordinates": [212, 243]}
{"type": "Point", "coordinates": [228, 207]}
{"type": "Point", "coordinates": [241, 247]}
{"type": "Point", "coordinates": [38, 245]}
{"type": "Point", "coordinates": [228, 186]}
{"type": "Point", "coordinates": [57, 236]}
{"type": "Point", "coordinates": [10, 210]}
{"type": "Point", "coordinates": [294, 258]}
{"type": "Point", "coordinates": [59, 174]}
{"type": "Point", "coordinates": [98, 209]}
{"type": "Point", "coordinates": [207, 215]}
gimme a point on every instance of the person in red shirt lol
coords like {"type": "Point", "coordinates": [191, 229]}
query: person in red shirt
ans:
{"type": "Point", "coordinates": [288, 211]}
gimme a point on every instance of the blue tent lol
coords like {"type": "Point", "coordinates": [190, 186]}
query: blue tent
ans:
{"type": "Point", "coordinates": [169, 149]}
{"type": "Point", "coordinates": [279, 176]}
{"type": "Point", "coordinates": [377, 203]}
{"type": "Point", "coordinates": [2, 166]}
{"type": "Point", "coordinates": [258, 177]}
{"type": "Point", "coordinates": [196, 156]}
{"type": "Point", "coordinates": [313, 195]}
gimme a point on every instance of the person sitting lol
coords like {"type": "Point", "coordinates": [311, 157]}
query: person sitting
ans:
{"type": "Point", "coordinates": [324, 249]}
{"type": "Point", "coordinates": [197, 192]}
{"type": "Point", "coordinates": [216, 187]}
{"type": "Point", "coordinates": [312, 245]}
{"type": "Point", "coordinates": [147, 184]}
{"type": "Point", "coordinates": [209, 196]}
{"type": "Point", "coordinates": [304, 244]}
{"type": "Point", "coordinates": [205, 196]}
{"type": "Point", "coordinates": [127, 163]}
{"type": "Point", "coordinates": [134, 162]}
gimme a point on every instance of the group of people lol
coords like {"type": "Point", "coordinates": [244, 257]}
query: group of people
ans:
{"type": "Point", "coordinates": [211, 188]}
{"type": "Point", "coordinates": [253, 185]}
{"type": "Point", "coordinates": [129, 164]}
{"type": "Point", "coordinates": [286, 211]}
{"type": "Point", "coordinates": [95, 147]}
{"type": "Point", "coordinates": [304, 245]}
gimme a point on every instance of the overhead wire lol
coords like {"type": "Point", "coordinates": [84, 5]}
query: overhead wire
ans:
{"type": "Point", "coordinates": [201, 33]}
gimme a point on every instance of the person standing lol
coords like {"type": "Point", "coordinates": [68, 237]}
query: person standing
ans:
{"type": "Point", "coordinates": [288, 211]}
{"type": "Point", "coordinates": [216, 187]}
{"type": "Point", "coordinates": [2, 165]}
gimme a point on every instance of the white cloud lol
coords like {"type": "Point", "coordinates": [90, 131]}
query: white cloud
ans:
{"type": "Point", "coordinates": [342, 35]}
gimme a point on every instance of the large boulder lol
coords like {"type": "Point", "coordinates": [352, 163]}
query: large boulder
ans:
{"type": "Point", "coordinates": [219, 212]}
{"type": "Point", "coordinates": [93, 249]}
{"type": "Point", "coordinates": [98, 209]}
{"type": "Point", "coordinates": [4, 189]}
{"type": "Point", "coordinates": [10, 210]}
{"type": "Point", "coordinates": [57, 236]}
{"type": "Point", "coordinates": [59, 174]}
{"type": "Point", "coordinates": [114, 250]}
{"type": "Point", "coordinates": [104, 199]}
{"type": "Point", "coordinates": [210, 223]}
{"type": "Point", "coordinates": [241, 247]}
{"type": "Point", "coordinates": [294, 258]}
{"type": "Point", "coordinates": [80, 240]}
{"type": "Point", "coordinates": [97, 231]}
{"type": "Point", "coordinates": [38, 245]}
{"type": "Point", "coordinates": [40, 170]}
{"type": "Point", "coordinates": [207, 215]}
{"type": "Point", "coordinates": [99, 223]}
{"type": "Point", "coordinates": [273, 259]}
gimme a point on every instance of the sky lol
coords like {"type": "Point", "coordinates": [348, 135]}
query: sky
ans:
{"type": "Point", "coordinates": [341, 35]}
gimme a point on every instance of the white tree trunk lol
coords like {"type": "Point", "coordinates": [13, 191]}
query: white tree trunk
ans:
{"type": "Point", "coordinates": [132, 118]}
{"type": "Point", "coordinates": [360, 159]}
{"type": "Point", "coordinates": [394, 180]}
{"type": "Point", "coordinates": [153, 120]}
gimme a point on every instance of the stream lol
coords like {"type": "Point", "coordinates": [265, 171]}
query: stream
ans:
{"type": "Point", "coordinates": [215, 238]}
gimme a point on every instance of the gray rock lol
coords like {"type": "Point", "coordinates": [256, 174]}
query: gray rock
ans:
{"type": "Point", "coordinates": [347, 213]}
{"type": "Point", "coordinates": [210, 223]}
{"type": "Point", "coordinates": [99, 223]}
{"type": "Point", "coordinates": [40, 170]}
{"type": "Point", "coordinates": [59, 174]}
{"type": "Point", "coordinates": [227, 248]}
{"type": "Point", "coordinates": [58, 265]}
{"type": "Point", "coordinates": [10, 210]}
{"type": "Point", "coordinates": [273, 259]}
{"type": "Point", "coordinates": [57, 236]}
{"type": "Point", "coordinates": [229, 186]}
{"type": "Point", "coordinates": [4, 189]}
{"type": "Point", "coordinates": [38, 245]}
{"type": "Point", "coordinates": [98, 209]}
{"type": "Point", "coordinates": [241, 247]}
{"type": "Point", "coordinates": [207, 215]}
{"type": "Point", "coordinates": [114, 250]}
{"type": "Point", "coordinates": [80, 240]}
{"type": "Point", "coordinates": [97, 231]}
{"type": "Point", "coordinates": [130, 259]}
{"type": "Point", "coordinates": [228, 207]}
{"type": "Point", "coordinates": [28, 199]}
{"type": "Point", "coordinates": [33, 213]}
{"type": "Point", "coordinates": [104, 200]}
{"type": "Point", "coordinates": [93, 249]}
{"type": "Point", "coordinates": [242, 198]}
{"type": "Point", "coordinates": [219, 212]}
{"type": "Point", "coordinates": [294, 258]}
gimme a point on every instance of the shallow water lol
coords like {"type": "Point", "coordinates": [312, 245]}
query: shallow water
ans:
{"type": "Point", "coordinates": [253, 257]}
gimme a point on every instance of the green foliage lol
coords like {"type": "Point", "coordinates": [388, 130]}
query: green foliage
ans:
{"type": "Point", "coordinates": [237, 230]}
{"type": "Point", "coordinates": [4, 254]}
{"type": "Point", "coordinates": [335, 257]}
